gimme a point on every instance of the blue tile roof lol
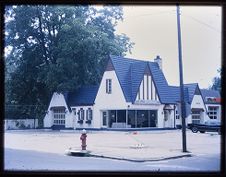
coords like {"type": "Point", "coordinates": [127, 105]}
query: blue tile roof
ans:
{"type": "Point", "coordinates": [191, 90]}
{"type": "Point", "coordinates": [210, 93]}
{"type": "Point", "coordinates": [160, 83]}
{"type": "Point", "coordinates": [130, 73]}
{"type": "Point", "coordinates": [128, 70]}
{"type": "Point", "coordinates": [175, 93]}
{"type": "Point", "coordinates": [83, 96]}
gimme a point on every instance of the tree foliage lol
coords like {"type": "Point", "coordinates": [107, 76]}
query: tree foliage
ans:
{"type": "Point", "coordinates": [58, 48]}
{"type": "Point", "coordinates": [217, 82]}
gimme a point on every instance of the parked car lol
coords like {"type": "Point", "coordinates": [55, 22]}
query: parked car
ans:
{"type": "Point", "coordinates": [208, 126]}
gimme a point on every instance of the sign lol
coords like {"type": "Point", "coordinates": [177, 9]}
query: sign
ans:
{"type": "Point", "coordinates": [146, 102]}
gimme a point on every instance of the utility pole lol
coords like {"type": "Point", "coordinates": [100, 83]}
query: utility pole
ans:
{"type": "Point", "coordinates": [181, 82]}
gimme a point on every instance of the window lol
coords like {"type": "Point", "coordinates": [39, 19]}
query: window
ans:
{"type": "Point", "coordinates": [196, 117]}
{"type": "Point", "coordinates": [104, 118]}
{"type": "Point", "coordinates": [212, 112]}
{"type": "Point", "coordinates": [177, 115]}
{"type": "Point", "coordinates": [74, 111]}
{"type": "Point", "coordinates": [108, 86]}
{"type": "Point", "coordinates": [211, 99]}
{"type": "Point", "coordinates": [59, 117]}
{"type": "Point", "coordinates": [89, 114]}
{"type": "Point", "coordinates": [81, 114]}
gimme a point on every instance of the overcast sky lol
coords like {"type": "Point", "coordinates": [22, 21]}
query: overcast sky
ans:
{"type": "Point", "coordinates": [153, 29]}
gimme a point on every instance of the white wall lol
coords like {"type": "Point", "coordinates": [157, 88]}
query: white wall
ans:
{"type": "Point", "coordinates": [104, 101]}
{"type": "Point", "coordinates": [143, 86]}
{"type": "Point", "coordinates": [116, 100]}
{"type": "Point", "coordinates": [197, 102]}
{"type": "Point", "coordinates": [57, 100]}
{"type": "Point", "coordinates": [74, 118]}
{"type": "Point", "coordinates": [218, 112]}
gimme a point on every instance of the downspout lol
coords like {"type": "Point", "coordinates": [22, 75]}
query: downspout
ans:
{"type": "Point", "coordinates": [174, 116]}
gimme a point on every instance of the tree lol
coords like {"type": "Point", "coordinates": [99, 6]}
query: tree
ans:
{"type": "Point", "coordinates": [217, 82]}
{"type": "Point", "coordinates": [58, 48]}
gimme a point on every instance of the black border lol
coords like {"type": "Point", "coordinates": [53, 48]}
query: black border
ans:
{"type": "Point", "coordinates": [122, 2]}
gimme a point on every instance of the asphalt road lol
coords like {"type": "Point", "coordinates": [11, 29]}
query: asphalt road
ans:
{"type": "Point", "coordinates": [17, 160]}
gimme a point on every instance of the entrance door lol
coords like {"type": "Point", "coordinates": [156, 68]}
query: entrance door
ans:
{"type": "Point", "coordinates": [166, 118]}
{"type": "Point", "coordinates": [153, 118]}
{"type": "Point", "coordinates": [146, 118]}
{"type": "Point", "coordinates": [58, 118]}
{"type": "Point", "coordinates": [104, 118]}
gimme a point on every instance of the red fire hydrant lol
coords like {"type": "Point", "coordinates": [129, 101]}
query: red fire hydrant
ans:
{"type": "Point", "coordinates": [83, 138]}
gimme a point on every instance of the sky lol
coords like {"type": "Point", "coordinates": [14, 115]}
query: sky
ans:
{"type": "Point", "coordinates": [153, 29]}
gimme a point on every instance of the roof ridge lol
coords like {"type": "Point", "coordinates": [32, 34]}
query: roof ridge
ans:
{"type": "Point", "coordinates": [133, 59]}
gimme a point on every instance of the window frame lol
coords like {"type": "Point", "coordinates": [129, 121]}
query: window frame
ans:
{"type": "Point", "coordinates": [212, 112]}
{"type": "Point", "coordinates": [59, 117]}
{"type": "Point", "coordinates": [108, 86]}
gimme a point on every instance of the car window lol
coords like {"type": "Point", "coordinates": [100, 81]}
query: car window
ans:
{"type": "Point", "coordinates": [212, 123]}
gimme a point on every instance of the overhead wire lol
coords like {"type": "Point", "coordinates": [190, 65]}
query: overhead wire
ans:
{"type": "Point", "coordinates": [155, 13]}
{"type": "Point", "coordinates": [171, 11]}
{"type": "Point", "coordinates": [201, 22]}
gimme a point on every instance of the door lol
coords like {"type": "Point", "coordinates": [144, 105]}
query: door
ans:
{"type": "Point", "coordinates": [153, 118]}
{"type": "Point", "coordinates": [104, 119]}
{"type": "Point", "coordinates": [166, 118]}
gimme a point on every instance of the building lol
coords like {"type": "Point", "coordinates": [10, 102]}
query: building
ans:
{"type": "Point", "coordinates": [212, 101]}
{"type": "Point", "coordinates": [132, 94]}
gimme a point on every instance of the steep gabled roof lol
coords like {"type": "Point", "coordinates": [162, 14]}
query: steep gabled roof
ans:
{"type": "Point", "coordinates": [210, 93]}
{"type": "Point", "coordinates": [83, 96]}
{"type": "Point", "coordinates": [160, 83]}
{"type": "Point", "coordinates": [128, 70]}
{"type": "Point", "coordinates": [65, 94]}
{"type": "Point", "coordinates": [191, 90]}
{"type": "Point", "coordinates": [175, 94]}
{"type": "Point", "coordinates": [137, 73]}
{"type": "Point", "coordinates": [130, 73]}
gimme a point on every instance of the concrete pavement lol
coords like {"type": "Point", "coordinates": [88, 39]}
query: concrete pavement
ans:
{"type": "Point", "coordinates": [132, 146]}
{"type": "Point", "coordinates": [137, 146]}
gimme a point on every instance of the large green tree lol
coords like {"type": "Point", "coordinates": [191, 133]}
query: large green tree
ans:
{"type": "Point", "coordinates": [216, 85]}
{"type": "Point", "coordinates": [58, 48]}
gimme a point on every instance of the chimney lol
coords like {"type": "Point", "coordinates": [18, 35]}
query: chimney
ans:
{"type": "Point", "coordinates": [159, 61]}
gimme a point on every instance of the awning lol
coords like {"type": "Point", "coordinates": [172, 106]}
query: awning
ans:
{"type": "Point", "coordinates": [197, 109]}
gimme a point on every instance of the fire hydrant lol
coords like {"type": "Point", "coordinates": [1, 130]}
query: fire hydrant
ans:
{"type": "Point", "coordinates": [83, 138]}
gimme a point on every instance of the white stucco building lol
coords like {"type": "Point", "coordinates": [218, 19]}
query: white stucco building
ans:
{"type": "Point", "coordinates": [132, 94]}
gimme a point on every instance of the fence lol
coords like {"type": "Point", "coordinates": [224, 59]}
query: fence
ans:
{"type": "Point", "coordinates": [24, 116]}
{"type": "Point", "coordinates": [20, 124]}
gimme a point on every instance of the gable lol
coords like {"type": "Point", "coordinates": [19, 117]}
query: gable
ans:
{"type": "Point", "coordinates": [147, 71]}
{"type": "Point", "coordinates": [147, 89]}
{"type": "Point", "coordinates": [110, 66]}
{"type": "Point", "coordinates": [137, 75]}
{"type": "Point", "coordinates": [113, 99]}
{"type": "Point", "coordinates": [197, 91]}
{"type": "Point", "coordinates": [130, 74]}
{"type": "Point", "coordinates": [58, 101]}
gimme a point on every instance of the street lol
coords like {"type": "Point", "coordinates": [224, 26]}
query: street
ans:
{"type": "Point", "coordinates": [41, 161]}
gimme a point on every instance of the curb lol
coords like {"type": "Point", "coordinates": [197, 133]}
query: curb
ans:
{"type": "Point", "coordinates": [137, 160]}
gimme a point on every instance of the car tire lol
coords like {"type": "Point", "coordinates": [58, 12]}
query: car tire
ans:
{"type": "Point", "coordinates": [202, 131]}
{"type": "Point", "coordinates": [194, 129]}
{"type": "Point", "coordinates": [219, 132]}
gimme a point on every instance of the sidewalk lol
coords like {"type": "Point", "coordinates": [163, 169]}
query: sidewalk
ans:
{"type": "Point", "coordinates": [135, 146]}
{"type": "Point", "coordinates": [132, 146]}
